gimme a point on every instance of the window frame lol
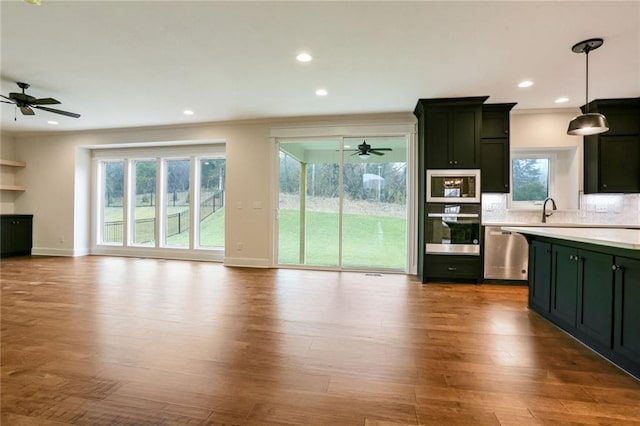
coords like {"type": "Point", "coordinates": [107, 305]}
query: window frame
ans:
{"type": "Point", "coordinates": [129, 157]}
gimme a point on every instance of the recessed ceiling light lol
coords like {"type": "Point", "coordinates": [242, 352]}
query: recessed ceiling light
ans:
{"type": "Point", "coordinates": [52, 122]}
{"type": "Point", "coordinates": [526, 83]}
{"type": "Point", "coordinates": [188, 112]}
{"type": "Point", "coordinates": [562, 100]}
{"type": "Point", "coordinates": [304, 57]}
{"type": "Point", "coordinates": [321, 92]}
{"type": "Point", "coordinates": [347, 146]}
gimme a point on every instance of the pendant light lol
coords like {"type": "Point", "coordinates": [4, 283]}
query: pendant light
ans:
{"type": "Point", "coordinates": [588, 123]}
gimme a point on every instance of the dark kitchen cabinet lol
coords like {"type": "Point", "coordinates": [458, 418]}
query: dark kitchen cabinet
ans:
{"type": "Point", "coordinates": [494, 148]}
{"type": "Point", "coordinates": [15, 235]}
{"type": "Point", "coordinates": [564, 284]}
{"type": "Point", "coordinates": [612, 159]}
{"type": "Point", "coordinates": [448, 267]}
{"type": "Point", "coordinates": [627, 312]}
{"type": "Point", "coordinates": [595, 296]}
{"type": "Point", "coordinates": [540, 275]}
{"type": "Point", "coordinates": [451, 132]}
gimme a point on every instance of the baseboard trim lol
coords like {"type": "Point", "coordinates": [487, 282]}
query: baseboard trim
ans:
{"type": "Point", "coordinates": [247, 262]}
{"type": "Point", "coordinates": [47, 251]}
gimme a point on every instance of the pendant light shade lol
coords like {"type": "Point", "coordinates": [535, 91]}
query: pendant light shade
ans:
{"type": "Point", "coordinates": [587, 123]}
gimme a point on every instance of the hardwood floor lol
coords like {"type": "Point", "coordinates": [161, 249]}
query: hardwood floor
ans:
{"type": "Point", "coordinates": [107, 340]}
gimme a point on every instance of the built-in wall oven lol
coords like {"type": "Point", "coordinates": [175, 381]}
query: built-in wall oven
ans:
{"type": "Point", "coordinates": [452, 229]}
{"type": "Point", "coordinates": [453, 186]}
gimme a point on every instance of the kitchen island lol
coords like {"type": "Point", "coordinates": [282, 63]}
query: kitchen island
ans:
{"type": "Point", "coordinates": [587, 282]}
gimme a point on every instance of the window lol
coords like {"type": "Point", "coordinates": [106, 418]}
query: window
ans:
{"type": "Point", "coordinates": [112, 202]}
{"type": "Point", "coordinates": [531, 178]}
{"type": "Point", "coordinates": [147, 200]}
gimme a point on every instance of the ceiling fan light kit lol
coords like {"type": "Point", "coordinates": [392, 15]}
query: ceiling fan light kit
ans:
{"type": "Point", "coordinates": [587, 123]}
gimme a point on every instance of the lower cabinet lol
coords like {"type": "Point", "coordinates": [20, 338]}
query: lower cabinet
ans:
{"type": "Point", "coordinates": [564, 284]}
{"type": "Point", "coordinates": [452, 267]}
{"type": "Point", "coordinates": [595, 296]}
{"type": "Point", "coordinates": [627, 311]}
{"type": "Point", "coordinates": [15, 235]}
{"type": "Point", "coordinates": [540, 275]}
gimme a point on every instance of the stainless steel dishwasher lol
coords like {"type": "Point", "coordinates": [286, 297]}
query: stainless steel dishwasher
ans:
{"type": "Point", "coordinates": [506, 254]}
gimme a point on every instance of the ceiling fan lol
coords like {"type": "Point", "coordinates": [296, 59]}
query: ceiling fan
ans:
{"type": "Point", "coordinates": [364, 149]}
{"type": "Point", "coordinates": [27, 102]}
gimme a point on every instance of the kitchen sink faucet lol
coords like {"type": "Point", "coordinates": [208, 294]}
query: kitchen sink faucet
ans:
{"type": "Point", "coordinates": [545, 215]}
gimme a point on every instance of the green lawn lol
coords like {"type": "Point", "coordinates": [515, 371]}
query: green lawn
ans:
{"type": "Point", "coordinates": [368, 240]}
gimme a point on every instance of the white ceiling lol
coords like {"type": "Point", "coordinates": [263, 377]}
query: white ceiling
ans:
{"type": "Point", "coordinates": [124, 63]}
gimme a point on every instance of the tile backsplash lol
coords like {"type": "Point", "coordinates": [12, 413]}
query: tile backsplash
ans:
{"type": "Point", "coordinates": [618, 209]}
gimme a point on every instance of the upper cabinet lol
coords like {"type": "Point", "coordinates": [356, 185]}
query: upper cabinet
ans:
{"type": "Point", "coordinates": [449, 132]}
{"type": "Point", "coordinates": [612, 159]}
{"type": "Point", "coordinates": [494, 148]}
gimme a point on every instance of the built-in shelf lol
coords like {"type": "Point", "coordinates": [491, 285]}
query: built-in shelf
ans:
{"type": "Point", "coordinates": [12, 163]}
{"type": "Point", "coordinates": [12, 188]}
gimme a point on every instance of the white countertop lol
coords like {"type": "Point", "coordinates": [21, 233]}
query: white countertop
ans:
{"type": "Point", "coordinates": [611, 237]}
{"type": "Point", "coordinates": [565, 225]}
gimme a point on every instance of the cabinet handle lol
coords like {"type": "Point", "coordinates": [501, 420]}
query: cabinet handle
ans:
{"type": "Point", "coordinates": [506, 185]}
{"type": "Point", "coordinates": [450, 162]}
{"type": "Point", "coordinates": [547, 251]}
{"type": "Point", "coordinates": [506, 132]}
{"type": "Point", "coordinates": [604, 185]}
{"type": "Point", "coordinates": [616, 267]}
{"type": "Point", "coordinates": [455, 162]}
{"type": "Point", "coordinates": [450, 268]}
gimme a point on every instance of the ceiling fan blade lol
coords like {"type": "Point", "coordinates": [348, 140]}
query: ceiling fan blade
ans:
{"type": "Point", "coordinates": [8, 98]}
{"type": "Point", "coordinates": [374, 151]}
{"type": "Point", "coordinates": [383, 149]}
{"type": "Point", "coordinates": [45, 101]}
{"type": "Point", "coordinates": [7, 102]}
{"type": "Point", "coordinates": [57, 111]}
{"type": "Point", "coordinates": [27, 111]}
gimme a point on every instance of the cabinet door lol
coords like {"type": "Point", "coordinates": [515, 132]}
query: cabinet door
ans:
{"type": "Point", "coordinates": [465, 138]}
{"type": "Point", "coordinates": [627, 309]}
{"type": "Point", "coordinates": [540, 275]}
{"type": "Point", "coordinates": [564, 284]}
{"type": "Point", "coordinates": [619, 163]}
{"type": "Point", "coordinates": [6, 232]}
{"type": "Point", "coordinates": [595, 296]}
{"type": "Point", "coordinates": [437, 140]}
{"type": "Point", "coordinates": [495, 124]}
{"type": "Point", "coordinates": [494, 165]}
{"type": "Point", "coordinates": [22, 235]}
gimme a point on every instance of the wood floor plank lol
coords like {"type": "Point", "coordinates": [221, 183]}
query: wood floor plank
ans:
{"type": "Point", "coordinates": [108, 340]}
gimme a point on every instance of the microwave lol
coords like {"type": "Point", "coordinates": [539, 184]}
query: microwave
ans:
{"type": "Point", "coordinates": [453, 185]}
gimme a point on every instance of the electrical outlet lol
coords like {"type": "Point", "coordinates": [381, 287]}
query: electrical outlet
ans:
{"type": "Point", "coordinates": [61, 239]}
{"type": "Point", "coordinates": [239, 246]}
{"type": "Point", "coordinates": [602, 209]}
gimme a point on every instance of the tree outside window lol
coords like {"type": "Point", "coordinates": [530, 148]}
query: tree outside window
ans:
{"type": "Point", "coordinates": [530, 178]}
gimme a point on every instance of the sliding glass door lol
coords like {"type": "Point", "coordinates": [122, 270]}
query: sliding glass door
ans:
{"type": "Point", "coordinates": [341, 205]}
{"type": "Point", "coordinates": [374, 214]}
{"type": "Point", "coordinates": [309, 203]}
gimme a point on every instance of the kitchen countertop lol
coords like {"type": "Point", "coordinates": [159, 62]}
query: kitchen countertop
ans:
{"type": "Point", "coordinates": [566, 225]}
{"type": "Point", "coordinates": [611, 237]}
